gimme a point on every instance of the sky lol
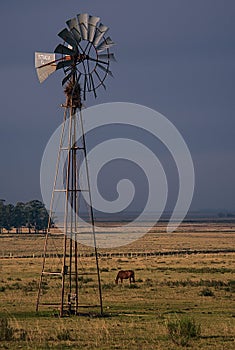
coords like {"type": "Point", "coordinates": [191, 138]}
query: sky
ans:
{"type": "Point", "coordinates": [175, 56]}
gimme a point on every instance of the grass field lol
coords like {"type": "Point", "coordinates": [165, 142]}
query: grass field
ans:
{"type": "Point", "coordinates": [198, 286]}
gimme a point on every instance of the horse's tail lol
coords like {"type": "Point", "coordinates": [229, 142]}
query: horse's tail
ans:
{"type": "Point", "coordinates": [133, 276]}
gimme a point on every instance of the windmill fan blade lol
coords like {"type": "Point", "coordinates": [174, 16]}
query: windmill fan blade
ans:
{"type": "Point", "coordinates": [100, 31]}
{"type": "Point", "coordinates": [105, 70]}
{"type": "Point", "coordinates": [105, 44]}
{"type": "Point", "coordinates": [92, 22]}
{"type": "Point", "coordinates": [44, 64]}
{"type": "Point", "coordinates": [64, 50]}
{"type": "Point", "coordinates": [73, 23]}
{"type": "Point", "coordinates": [108, 56]}
{"type": "Point", "coordinates": [63, 64]}
{"type": "Point", "coordinates": [77, 35]}
{"type": "Point", "coordinates": [68, 37]}
{"type": "Point", "coordinates": [83, 23]}
{"type": "Point", "coordinates": [68, 77]}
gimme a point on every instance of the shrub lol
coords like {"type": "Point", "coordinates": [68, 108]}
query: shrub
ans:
{"type": "Point", "coordinates": [206, 292]}
{"type": "Point", "coordinates": [2, 289]}
{"type": "Point", "coordinates": [84, 279]}
{"type": "Point", "coordinates": [14, 286]}
{"type": "Point", "coordinates": [132, 286]}
{"type": "Point", "coordinates": [31, 286]}
{"type": "Point", "coordinates": [23, 334]}
{"type": "Point", "coordinates": [107, 286]}
{"type": "Point", "coordinates": [63, 334]}
{"type": "Point", "coordinates": [139, 280]}
{"type": "Point", "coordinates": [182, 330]}
{"type": "Point", "coordinates": [104, 269]}
{"type": "Point", "coordinates": [149, 282]}
{"type": "Point", "coordinates": [231, 286]}
{"type": "Point", "coordinates": [6, 331]}
{"type": "Point", "coordinates": [87, 280]}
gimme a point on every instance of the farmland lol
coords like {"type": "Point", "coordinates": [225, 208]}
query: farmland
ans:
{"type": "Point", "coordinates": [195, 281]}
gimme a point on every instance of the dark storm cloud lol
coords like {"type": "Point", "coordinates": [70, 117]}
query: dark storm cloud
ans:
{"type": "Point", "coordinates": [174, 56]}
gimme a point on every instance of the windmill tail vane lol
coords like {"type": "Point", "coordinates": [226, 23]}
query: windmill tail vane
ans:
{"type": "Point", "coordinates": [84, 56]}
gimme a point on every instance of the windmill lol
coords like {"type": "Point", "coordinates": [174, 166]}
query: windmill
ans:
{"type": "Point", "coordinates": [84, 56]}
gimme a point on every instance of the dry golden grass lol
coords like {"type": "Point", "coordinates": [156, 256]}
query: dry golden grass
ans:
{"type": "Point", "coordinates": [187, 237]}
{"type": "Point", "coordinates": [166, 287]}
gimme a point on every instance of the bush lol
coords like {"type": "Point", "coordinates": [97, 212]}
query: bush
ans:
{"type": "Point", "coordinates": [182, 330]}
{"type": "Point", "coordinates": [15, 286]}
{"type": "Point", "coordinates": [85, 279]}
{"type": "Point", "coordinates": [31, 286]}
{"type": "Point", "coordinates": [231, 286]}
{"type": "Point", "coordinates": [6, 331]}
{"type": "Point", "coordinates": [107, 286]}
{"type": "Point", "coordinates": [149, 282]}
{"type": "Point", "coordinates": [139, 280]}
{"type": "Point", "coordinates": [132, 286]}
{"type": "Point", "coordinates": [206, 292]}
{"type": "Point", "coordinates": [63, 334]}
{"type": "Point", "coordinates": [104, 269]}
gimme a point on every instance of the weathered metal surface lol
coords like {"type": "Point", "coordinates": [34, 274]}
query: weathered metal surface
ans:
{"type": "Point", "coordinates": [100, 31]}
{"type": "Point", "coordinates": [92, 22]}
{"type": "Point", "coordinates": [107, 56]}
{"type": "Point", "coordinates": [76, 35]}
{"type": "Point", "coordinates": [67, 36]}
{"type": "Point", "coordinates": [73, 23]}
{"type": "Point", "coordinates": [63, 64]}
{"type": "Point", "coordinates": [83, 24]}
{"type": "Point", "coordinates": [105, 44]}
{"type": "Point", "coordinates": [45, 65]}
{"type": "Point", "coordinates": [64, 50]}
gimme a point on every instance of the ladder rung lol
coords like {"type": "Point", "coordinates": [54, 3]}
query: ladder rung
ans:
{"type": "Point", "coordinates": [79, 190]}
{"type": "Point", "coordinates": [50, 304]}
{"type": "Point", "coordinates": [87, 306]}
{"type": "Point", "coordinates": [66, 148]}
{"type": "Point", "coordinates": [87, 273]}
{"type": "Point", "coordinates": [72, 273]}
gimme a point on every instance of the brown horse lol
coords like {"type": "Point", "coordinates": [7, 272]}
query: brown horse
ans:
{"type": "Point", "coordinates": [125, 274]}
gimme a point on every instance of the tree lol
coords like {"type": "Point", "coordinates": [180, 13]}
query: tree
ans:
{"type": "Point", "coordinates": [2, 214]}
{"type": "Point", "coordinates": [32, 215]}
{"type": "Point", "coordinates": [19, 216]}
{"type": "Point", "coordinates": [36, 216]}
{"type": "Point", "coordinates": [8, 217]}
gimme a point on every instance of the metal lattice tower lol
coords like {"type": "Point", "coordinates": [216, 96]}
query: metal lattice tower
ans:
{"type": "Point", "coordinates": [85, 59]}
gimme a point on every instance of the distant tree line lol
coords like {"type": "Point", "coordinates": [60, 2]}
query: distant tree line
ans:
{"type": "Point", "coordinates": [31, 215]}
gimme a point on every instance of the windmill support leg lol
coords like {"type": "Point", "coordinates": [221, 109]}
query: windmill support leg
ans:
{"type": "Point", "coordinates": [92, 216]}
{"type": "Point", "coordinates": [71, 187]}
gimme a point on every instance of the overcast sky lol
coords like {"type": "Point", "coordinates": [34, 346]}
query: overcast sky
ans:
{"type": "Point", "coordinates": [175, 56]}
